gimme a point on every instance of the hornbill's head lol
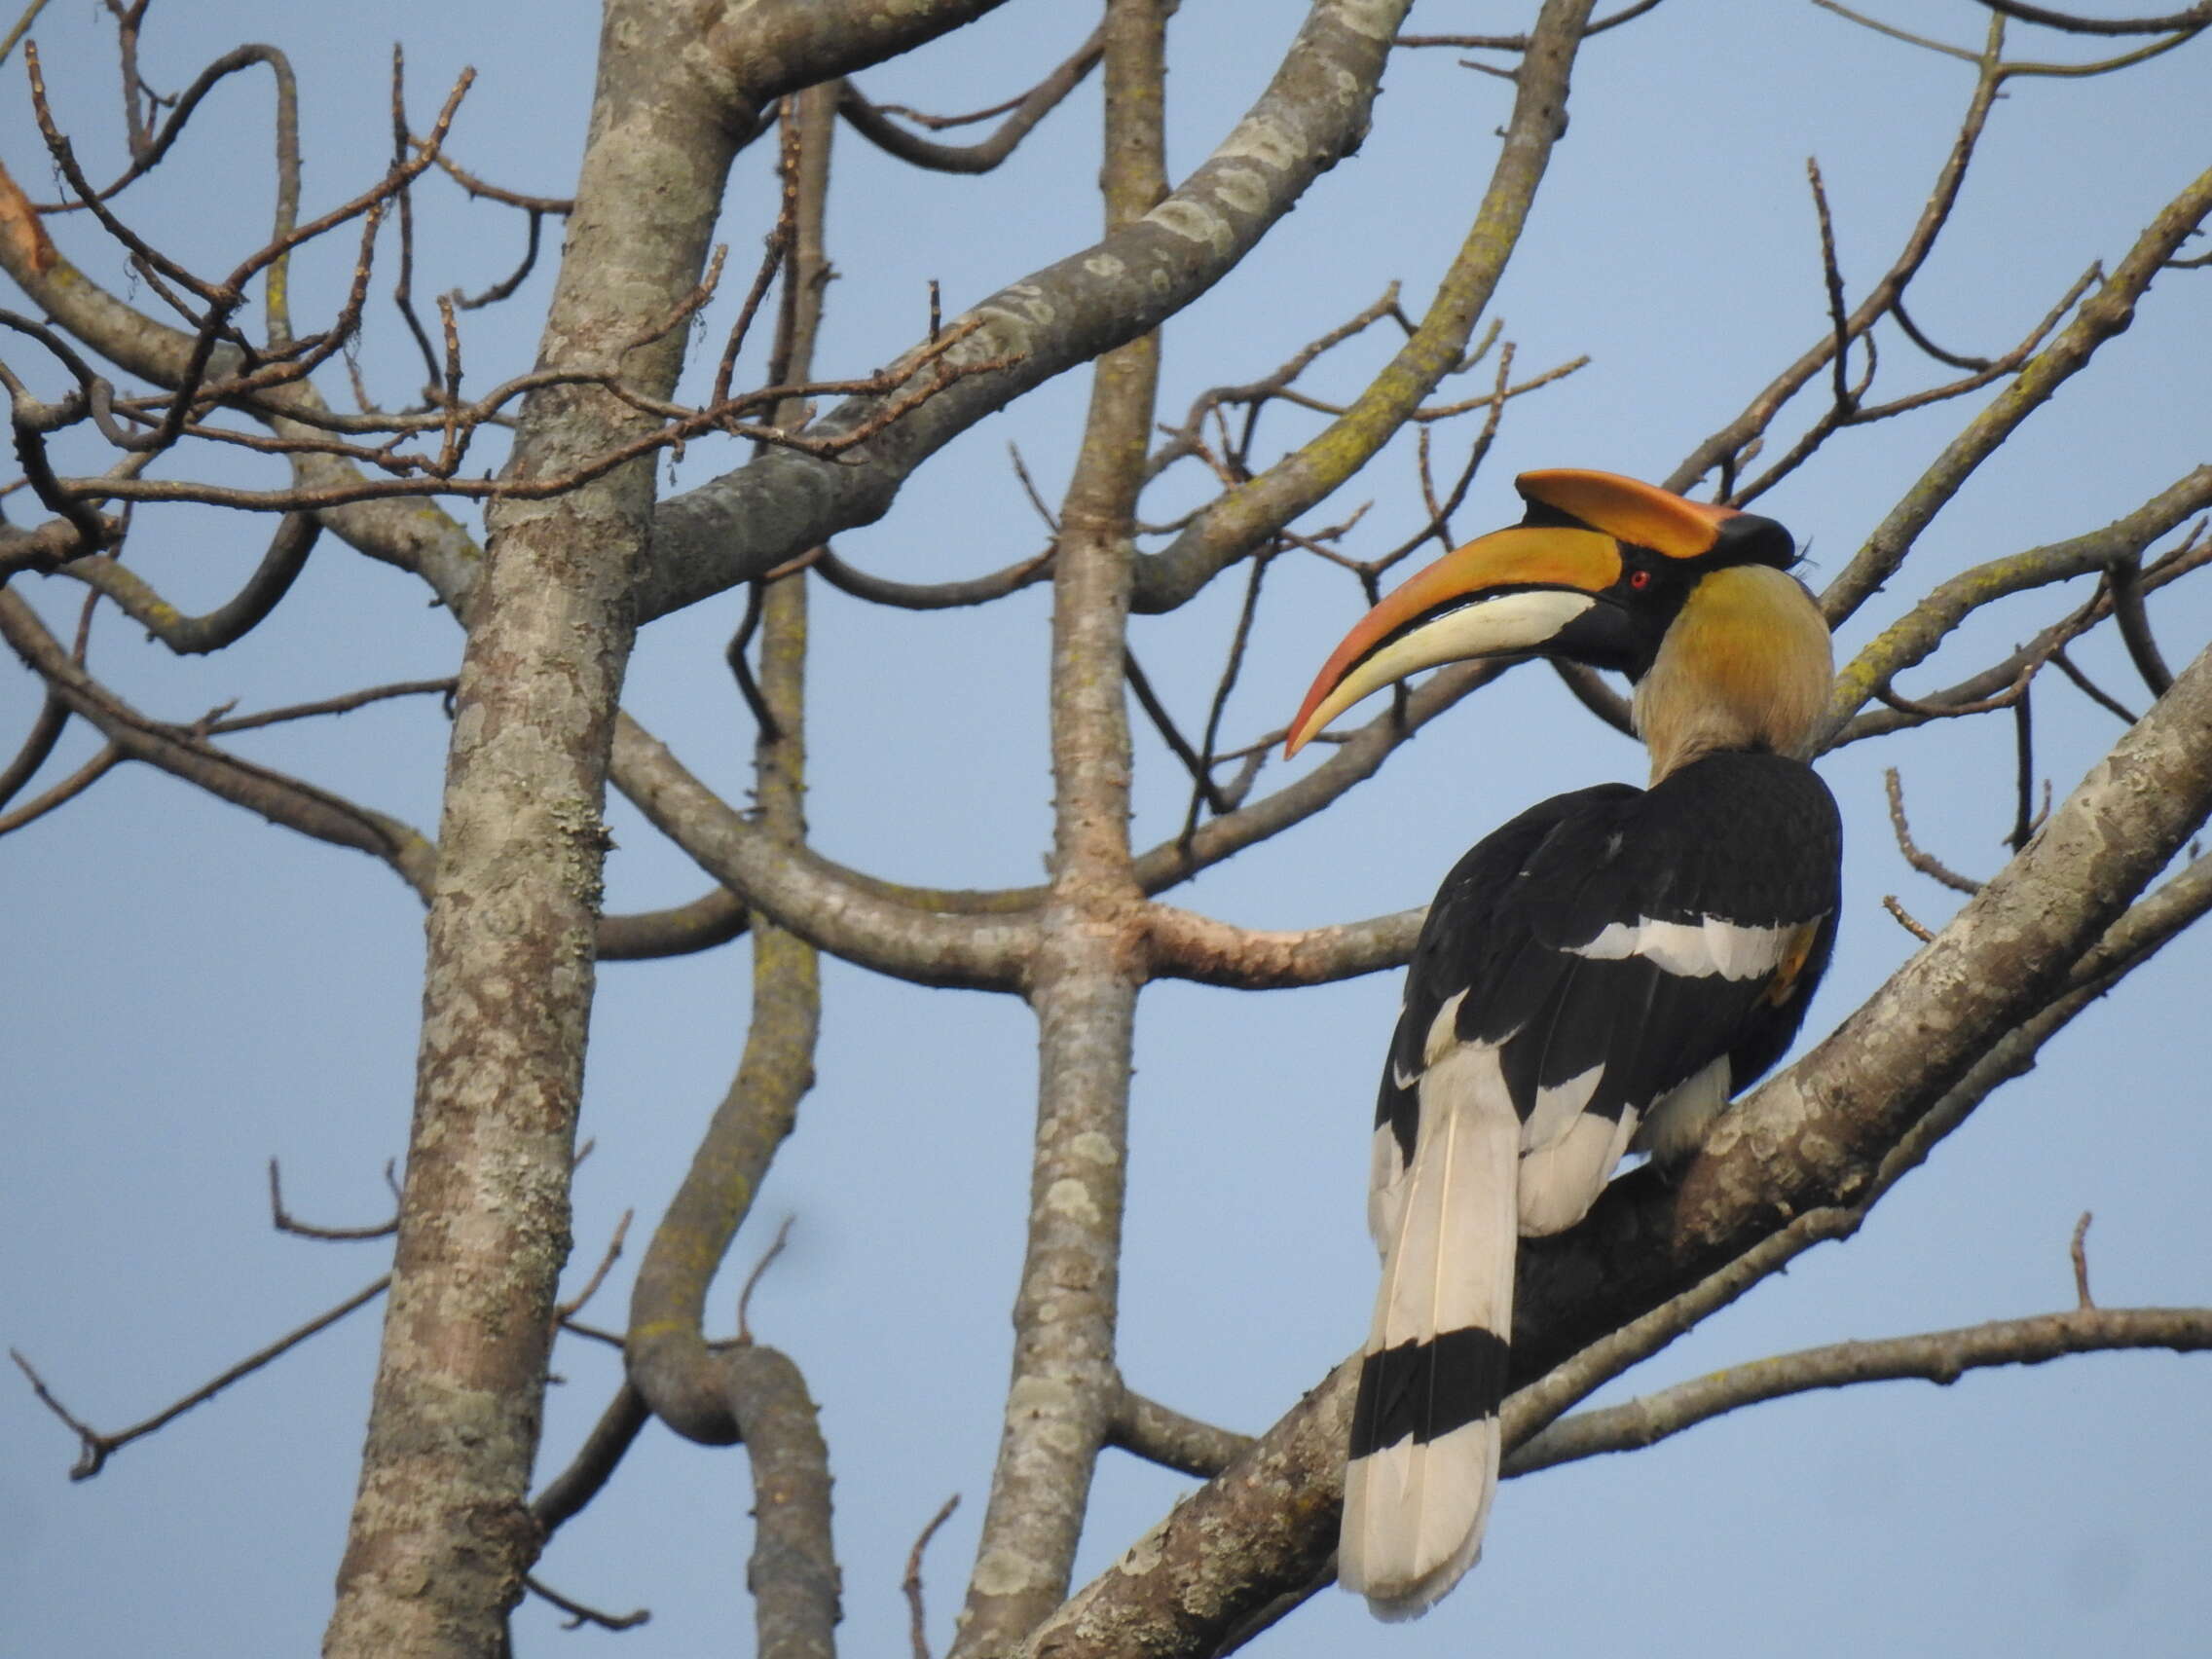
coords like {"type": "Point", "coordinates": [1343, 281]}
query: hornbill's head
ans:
{"type": "Point", "coordinates": [1692, 601]}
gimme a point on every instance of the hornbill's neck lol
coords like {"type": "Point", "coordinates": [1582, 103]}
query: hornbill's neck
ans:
{"type": "Point", "coordinates": [1745, 665]}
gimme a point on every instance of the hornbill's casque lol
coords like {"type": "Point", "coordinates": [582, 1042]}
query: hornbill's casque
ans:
{"type": "Point", "coordinates": [1601, 975]}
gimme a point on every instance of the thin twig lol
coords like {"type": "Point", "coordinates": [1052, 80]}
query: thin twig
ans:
{"type": "Point", "coordinates": [1907, 920]}
{"type": "Point", "coordinates": [1204, 790]}
{"type": "Point", "coordinates": [534, 205]}
{"type": "Point", "coordinates": [1731, 447]}
{"type": "Point", "coordinates": [932, 595]}
{"type": "Point", "coordinates": [1519, 43]}
{"type": "Point", "coordinates": [569, 1309]}
{"type": "Point", "coordinates": [2081, 1255]}
{"type": "Point", "coordinates": [1165, 724]}
{"type": "Point", "coordinates": [752, 1278]}
{"type": "Point", "coordinates": [67, 790]}
{"type": "Point", "coordinates": [581, 1615]}
{"type": "Point", "coordinates": [773, 255]}
{"type": "Point", "coordinates": [97, 1447]}
{"type": "Point", "coordinates": [506, 286]}
{"type": "Point", "coordinates": [911, 1583]}
{"type": "Point", "coordinates": [402, 289]}
{"type": "Point", "coordinates": [1831, 272]}
{"type": "Point", "coordinates": [742, 671]}
{"type": "Point", "coordinates": [22, 28]}
{"type": "Point", "coordinates": [2089, 688]}
{"type": "Point", "coordinates": [902, 389]}
{"type": "Point", "coordinates": [2024, 756]}
{"type": "Point", "coordinates": [1925, 862]}
{"type": "Point", "coordinates": [2125, 581]}
{"type": "Point", "coordinates": [1950, 359]}
{"type": "Point", "coordinates": [344, 704]}
{"type": "Point", "coordinates": [184, 751]}
{"type": "Point", "coordinates": [1020, 468]}
{"type": "Point", "coordinates": [283, 1221]}
{"type": "Point", "coordinates": [1923, 41]}
{"type": "Point", "coordinates": [873, 120]}
{"type": "Point", "coordinates": [566, 1495]}
{"type": "Point", "coordinates": [47, 727]}
{"type": "Point", "coordinates": [2004, 699]}
{"type": "Point", "coordinates": [615, 1339]}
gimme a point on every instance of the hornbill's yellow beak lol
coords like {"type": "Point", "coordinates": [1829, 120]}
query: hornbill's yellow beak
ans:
{"type": "Point", "coordinates": [1593, 572]}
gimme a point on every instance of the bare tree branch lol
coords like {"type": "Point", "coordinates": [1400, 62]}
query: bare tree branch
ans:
{"type": "Point", "coordinates": [689, 1388]}
{"type": "Point", "coordinates": [1726, 448]}
{"type": "Point", "coordinates": [1065, 1376]}
{"type": "Point", "coordinates": [1243, 518]}
{"type": "Point", "coordinates": [912, 1583]}
{"type": "Point", "coordinates": [1915, 636]}
{"type": "Point", "coordinates": [1146, 1429]}
{"type": "Point", "coordinates": [715, 917]}
{"type": "Point", "coordinates": [875, 124]}
{"type": "Point", "coordinates": [933, 596]}
{"type": "Point", "coordinates": [804, 893]}
{"type": "Point", "coordinates": [1189, 946]}
{"type": "Point", "coordinates": [579, 1614]}
{"type": "Point", "coordinates": [2192, 18]}
{"type": "Point", "coordinates": [185, 754]}
{"type": "Point", "coordinates": [1311, 114]}
{"type": "Point", "coordinates": [2104, 314]}
{"type": "Point", "coordinates": [595, 1463]}
{"type": "Point", "coordinates": [283, 1221]}
{"type": "Point", "coordinates": [564, 1312]}
{"type": "Point", "coordinates": [793, 1574]}
{"type": "Point", "coordinates": [62, 794]}
{"type": "Point", "coordinates": [46, 730]}
{"type": "Point", "coordinates": [1519, 43]}
{"type": "Point", "coordinates": [1939, 1356]}
{"type": "Point", "coordinates": [1926, 864]}
{"type": "Point", "coordinates": [96, 1447]}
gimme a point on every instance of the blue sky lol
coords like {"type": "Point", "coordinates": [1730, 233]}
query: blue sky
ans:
{"type": "Point", "coordinates": [190, 991]}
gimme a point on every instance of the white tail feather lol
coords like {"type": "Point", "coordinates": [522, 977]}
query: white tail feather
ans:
{"type": "Point", "coordinates": [1376, 1488]}
{"type": "Point", "coordinates": [1561, 1179]}
{"type": "Point", "coordinates": [1415, 1509]}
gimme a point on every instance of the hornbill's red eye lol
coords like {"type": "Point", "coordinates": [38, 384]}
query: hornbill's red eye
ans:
{"type": "Point", "coordinates": [1640, 579]}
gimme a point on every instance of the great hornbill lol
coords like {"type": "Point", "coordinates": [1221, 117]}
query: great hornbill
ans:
{"type": "Point", "coordinates": [1600, 975]}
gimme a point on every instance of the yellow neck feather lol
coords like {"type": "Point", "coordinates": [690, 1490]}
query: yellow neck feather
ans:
{"type": "Point", "coordinates": [1744, 666]}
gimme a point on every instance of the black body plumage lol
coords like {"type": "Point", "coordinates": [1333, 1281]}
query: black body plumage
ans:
{"type": "Point", "coordinates": [1745, 840]}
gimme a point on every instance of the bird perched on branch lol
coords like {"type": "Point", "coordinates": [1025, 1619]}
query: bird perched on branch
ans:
{"type": "Point", "coordinates": [1597, 976]}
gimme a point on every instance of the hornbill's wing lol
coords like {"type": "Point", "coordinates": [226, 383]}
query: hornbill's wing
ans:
{"type": "Point", "coordinates": [1478, 944]}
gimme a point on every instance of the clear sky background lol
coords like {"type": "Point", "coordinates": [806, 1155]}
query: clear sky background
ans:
{"type": "Point", "coordinates": [189, 991]}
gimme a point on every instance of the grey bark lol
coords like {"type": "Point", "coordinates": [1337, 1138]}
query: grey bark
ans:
{"type": "Point", "coordinates": [441, 1535]}
{"type": "Point", "coordinates": [1065, 1383]}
